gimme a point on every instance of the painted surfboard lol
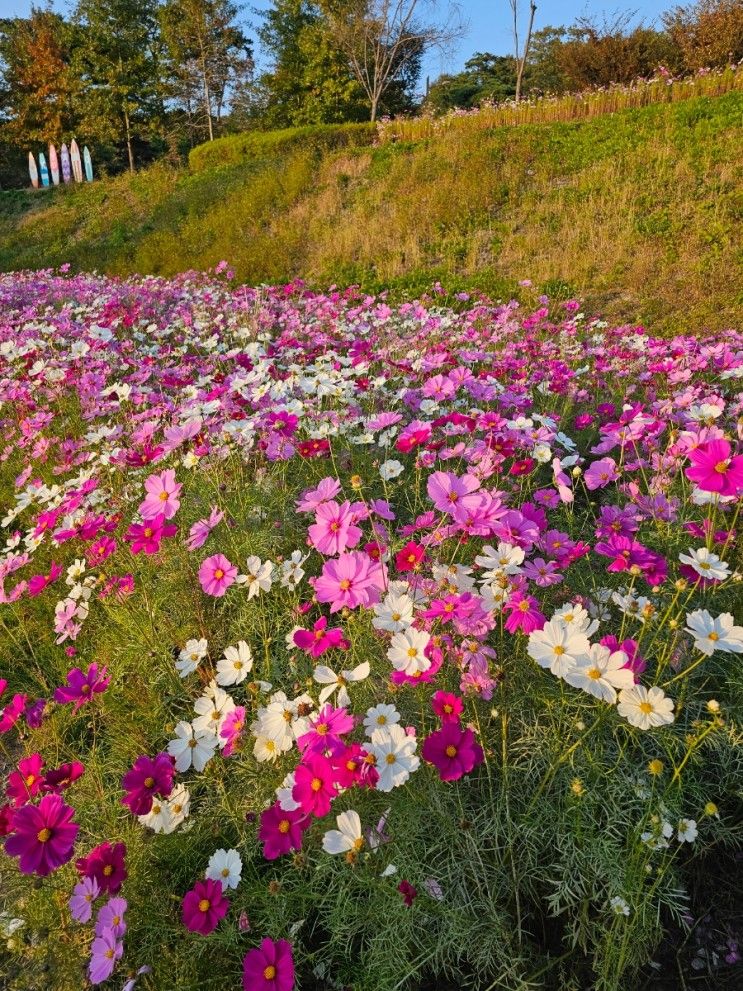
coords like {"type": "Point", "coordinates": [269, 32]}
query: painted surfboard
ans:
{"type": "Point", "coordinates": [54, 165]}
{"type": "Point", "coordinates": [33, 171]}
{"type": "Point", "coordinates": [43, 170]}
{"type": "Point", "coordinates": [88, 162]}
{"type": "Point", "coordinates": [66, 169]}
{"type": "Point", "coordinates": [77, 166]}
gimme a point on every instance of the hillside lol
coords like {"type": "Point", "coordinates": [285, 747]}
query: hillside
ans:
{"type": "Point", "coordinates": [638, 211]}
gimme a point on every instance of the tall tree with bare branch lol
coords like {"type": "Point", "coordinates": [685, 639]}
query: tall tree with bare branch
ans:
{"type": "Point", "coordinates": [521, 53]}
{"type": "Point", "coordinates": [384, 39]}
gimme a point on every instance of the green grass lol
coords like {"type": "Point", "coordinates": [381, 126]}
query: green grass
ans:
{"type": "Point", "coordinates": [638, 211]}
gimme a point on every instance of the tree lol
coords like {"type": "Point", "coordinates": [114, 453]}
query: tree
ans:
{"type": "Point", "coordinates": [521, 54]}
{"type": "Point", "coordinates": [484, 77]}
{"type": "Point", "coordinates": [36, 83]}
{"type": "Point", "coordinates": [708, 33]}
{"type": "Point", "coordinates": [385, 41]}
{"type": "Point", "coordinates": [544, 71]}
{"type": "Point", "coordinates": [120, 66]}
{"type": "Point", "coordinates": [208, 54]}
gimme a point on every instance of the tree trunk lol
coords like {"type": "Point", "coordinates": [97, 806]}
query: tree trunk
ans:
{"type": "Point", "coordinates": [525, 54]}
{"type": "Point", "coordinates": [129, 148]}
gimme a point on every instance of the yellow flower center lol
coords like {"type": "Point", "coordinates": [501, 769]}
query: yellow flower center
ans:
{"type": "Point", "coordinates": [451, 751]}
{"type": "Point", "coordinates": [284, 826]}
{"type": "Point", "coordinates": [390, 759]}
{"type": "Point", "coordinates": [108, 870]}
{"type": "Point", "coordinates": [148, 531]}
{"type": "Point", "coordinates": [713, 636]}
{"type": "Point", "coordinates": [412, 651]}
{"type": "Point", "coordinates": [219, 573]}
{"type": "Point", "coordinates": [721, 467]}
{"type": "Point", "coordinates": [645, 707]}
{"type": "Point", "coordinates": [559, 650]}
{"type": "Point", "coordinates": [269, 972]}
{"type": "Point", "coordinates": [594, 674]}
{"type": "Point", "coordinates": [44, 835]}
{"type": "Point", "coordinates": [149, 782]}
{"type": "Point", "coordinates": [204, 905]}
{"type": "Point", "coordinates": [345, 584]}
{"type": "Point", "coordinates": [163, 497]}
{"type": "Point", "coordinates": [316, 784]}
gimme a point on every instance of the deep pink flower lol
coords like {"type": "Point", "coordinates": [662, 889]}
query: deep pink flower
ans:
{"type": "Point", "coordinates": [314, 789]}
{"type": "Point", "coordinates": [411, 557]}
{"type": "Point", "coordinates": [408, 892]}
{"type": "Point", "coordinates": [269, 967]}
{"type": "Point", "coordinates": [27, 781]}
{"type": "Point", "coordinates": [81, 688]}
{"type": "Point", "coordinates": [43, 835]}
{"type": "Point", "coordinates": [525, 614]}
{"type": "Point", "coordinates": [201, 529]}
{"type": "Point", "coordinates": [232, 728]}
{"type": "Point", "coordinates": [320, 638]}
{"type": "Point", "coordinates": [715, 469]}
{"type": "Point", "coordinates": [326, 731]}
{"type": "Point", "coordinates": [334, 529]}
{"type": "Point", "coordinates": [38, 583]}
{"type": "Point", "coordinates": [447, 706]}
{"type": "Point", "coordinates": [105, 863]}
{"type": "Point", "coordinates": [162, 496]}
{"type": "Point", "coordinates": [281, 832]}
{"type": "Point", "coordinates": [148, 535]}
{"type": "Point", "coordinates": [216, 574]}
{"type": "Point", "coordinates": [60, 778]}
{"type": "Point", "coordinates": [12, 712]}
{"type": "Point", "coordinates": [352, 766]}
{"type": "Point", "coordinates": [149, 776]}
{"type": "Point", "coordinates": [453, 751]}
{"type": "Point", "coordinates": [204, 906]}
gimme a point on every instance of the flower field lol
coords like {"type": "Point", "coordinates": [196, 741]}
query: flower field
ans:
{"type": "Point", "coordinates": [351, 645]}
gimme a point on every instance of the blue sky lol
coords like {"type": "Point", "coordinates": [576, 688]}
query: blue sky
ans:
{"type": "Point", "coordinates": [489, 22]}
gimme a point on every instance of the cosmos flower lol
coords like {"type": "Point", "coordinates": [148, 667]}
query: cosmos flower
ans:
{"type": "Point", "coordinates": [43, 835]}
{"type": "Point", "coordinates": [269, 967]}
{"type": "Point", "coordinates": [204, 906]}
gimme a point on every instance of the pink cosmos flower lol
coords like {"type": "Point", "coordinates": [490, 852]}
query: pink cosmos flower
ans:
{"type": "Point", "coordinates": [314, 789]}
{"type": "Point", "coordinates": [327, 489]}
{"type": "Point", "coordinates": [351, 580]}
{"type": "Point", "coordinates": [216, 574]}
{"type": "Point", "coordinates": [525, 614]}
{"type": "Point", "coordinates": [110, 917]}
{"type": "Point", "coordinates": [27, 781]}
{"type": "Point", "coordinates": [81, 688]}
{"type": "Point", "coordinates": [204, 906]}
{"type": "Point", "coordinates": [201, 529]}
{"type": "Point", "coordinates": [601, 473]}
{"type": "Point", "coordinates": [542, 573]}
{"type": "Point", "coordinates": [446, 490]}
{"type": "Point", "coordinates": [232, 728]}
{"type": "Point", "coordinates": [411, 557]}
{"type": "Point", "coordinates": [715, 469]}
{"type": "Point", "coordinates": [162, 496]}
{"type": "Point", "coordinates": [60, 778]}
{"type": "Point", "coordinates": [352, 766]}
{"type": "Point", "coordinates": [319, 639]}
{"type": "Point", "coordinates": [326, 730]}
{"type": "Point", "coordinates": [38, 583]}
{"type": "Point", "coordinates": [281, 832]}
{"type": "Point", "coordinates": [447, 706]}
{"type": "Point", "coordinates": [147, 536]}
{"type": "Point", "coordinates": [269, 967]}
{"type": "Point", "coordinates": [334, 529]}
{"type": "Point", "coordinates": [12, 712]}
{"type": "Point", "coordinates": [453, 751]}
{"type": "Point", "coordinates": [43, 836]}
{"type": "Point", "coordinates": [82, 898]}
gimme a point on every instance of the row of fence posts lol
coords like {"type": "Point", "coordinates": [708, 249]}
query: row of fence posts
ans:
{"type": "Point", "coordinates": [67, 166]}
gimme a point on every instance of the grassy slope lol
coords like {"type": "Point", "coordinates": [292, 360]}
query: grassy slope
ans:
{"type": "Point", "coordinates": [640, 211]}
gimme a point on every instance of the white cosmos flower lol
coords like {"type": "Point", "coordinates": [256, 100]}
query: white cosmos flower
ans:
{"type": "Point", "coordinates": [542, 453]}
{"type": "Point", "coordinates": [394, 614]}
{"type": "Point", "coordinates": [687, 831]}
{"type": "Point", "coordinates": [192, 748]}
{"type": "Point", "coordinates": [406, 651]}
{"type": "Point", "coordinates": [259, 577]}
{"type": "Point", "coordinates": [381, 715]}
{"type": "Point", "coordinates": [637, 606]}
{"type": "Point", "coordinates": [506, 559]}
{"type": "Point", "coordinates": [618, 905]}
{"type": "Point", "coordinates": [701, 498]}
{"type": "Point", "coordinates": [557, 647]}
{"type": "Point", "coordinates": [284, 794]}
{"type": "Point", "coordinates": [714, 633]}
{"type": "Point", "coordinates": [226, 867]}
{"type": "Point", "coordinates": [211, 709]}
{"type": "Point", "coordinates": [658, 835]}
{"type": "Point", "coordinates": [178, 805]}
{"type": "Point", "coordinates": [292, 572]}
{"type": "Point", "coordinates": [281, 720]}
{"type": "Point", "coordinates": [265, 748]}
{"type": "Point", "coordinates": [394, 753]}
{"type": "Point", "coordinates": [601, 672]}
{"type": "Point", "coordinates": [326, 676]}
{"type": "Point", "coordinates": [577, 618]}
{"type": "Point", "coordinates": [233, 668]}
{"type": "Point", "coordinates": [191, 656]}
{"type": "Point", "coordinates": [347, 837]}
{"type": "Point", "coordinates": [389, 470]}
{"type": "Point", "coordinates": [645, 707]}
{"type": "Point", "coordinates": [706, 564]}
{"type": "Point", "coordinates": [456, 577]}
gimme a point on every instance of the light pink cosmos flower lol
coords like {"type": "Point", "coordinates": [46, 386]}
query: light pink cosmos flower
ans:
{"type": "Point", "coordinates": [601, 473]}
{"type": "Point", "coordinates": [354, 579]}
{"type": "Point", "coordinates": [201, 529]}
{"type": "Point", "coordinates": [447, 491]}
{"type": "Point", "coordinates": [334, 529]}
{"type": "Point", "coordinates": [216, 574]}
{"type": "Point", "coordinates": [162, 496]}
{"type": "Point", "coordinates": [327, 489]}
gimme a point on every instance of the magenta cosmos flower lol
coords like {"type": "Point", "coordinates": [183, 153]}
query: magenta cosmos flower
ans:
{"type": "Point", "coordinates": [319, 639]}
{"type": "Point", "coordinates": [453, 751]}
{"type": "Point", "coordinates": [43, 836]}
{"type": "Point", "coordinates": [148, 777]}
{"type": "Point", "coordinates": [714, 469]}
{"type": "Point", "coordinates": [280, 832]}
{"type": "Point", "coordinates": [204, 906]}
{"type": "Point", "coordinates": [146, 537]}
{"type": "Point", "coordinates": [269, 967]}
{"type": "Point", "coordinates": [80, 688]}
{"type": "Point", "coordinates": [216, 574]}
{"type": "Point", "coordinates": [447, 706]}
{"type": "Point", "coordinates": [354, 579]}
{"type": "Point", "coordinates": [162, 496]}
{"type": "Point", "coordinates": [314, 788]}
{"type": "Point", "coordinates": [106, 864]}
